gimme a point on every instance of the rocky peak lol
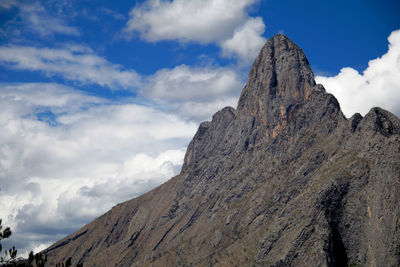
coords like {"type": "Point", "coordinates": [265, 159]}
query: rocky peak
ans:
{"type": "Point", "coordinates": [281, 72]}
{"type": "Point", "coordinates": [279, 80]}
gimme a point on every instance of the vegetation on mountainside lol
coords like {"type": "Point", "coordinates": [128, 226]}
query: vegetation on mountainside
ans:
{"type": "Point", "coordinates": [10, 254]}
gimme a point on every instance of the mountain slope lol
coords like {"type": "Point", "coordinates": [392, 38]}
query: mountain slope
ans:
{"type": "Point", "coordinates": [283, 180]}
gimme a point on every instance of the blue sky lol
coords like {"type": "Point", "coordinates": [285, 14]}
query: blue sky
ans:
{"type": "Point", "coordinates": [99, 99]}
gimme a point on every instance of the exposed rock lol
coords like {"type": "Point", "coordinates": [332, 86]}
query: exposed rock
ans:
{"type": "Point", "coordinates": [284, 180]}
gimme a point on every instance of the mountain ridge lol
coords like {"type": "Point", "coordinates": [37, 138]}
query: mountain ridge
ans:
{"type": "Point", "coordinates": [283, 180]}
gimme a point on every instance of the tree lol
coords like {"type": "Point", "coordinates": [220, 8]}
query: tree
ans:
{"type": "Point", "coordinates": [31, 257]}
{"type": "Point", "coordinates": [40, 260]}
{"type": "Point", "coordinates": [11, 254]}
{"type": "Point", "coordinates": [68, 263]}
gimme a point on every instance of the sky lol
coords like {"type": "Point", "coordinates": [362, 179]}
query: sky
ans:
{"type": "Point", "coordinates": [99, 99]}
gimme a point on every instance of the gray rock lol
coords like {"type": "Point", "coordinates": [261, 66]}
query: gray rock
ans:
{"type": "Point", "coordinates": [283, 180]}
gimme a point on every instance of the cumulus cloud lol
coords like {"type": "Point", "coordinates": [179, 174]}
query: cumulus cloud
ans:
{"type": "Point", "coordinates": [195, 93]}
{"type": "Point", "coordinates": [377, 85]}
{"type": "Point", "coordinates": [201, 21]}
{"type": "Point", "coordinates": [220, 22]}
{"type": "Point", "coordinates": [55, 177]}
{"type": "Point", "coordinates": [246, 41]}
{"type": "Point", "coordinates": [74, 62]}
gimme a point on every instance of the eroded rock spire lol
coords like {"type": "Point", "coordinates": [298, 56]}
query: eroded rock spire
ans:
{"type": "Point", "coordinates": [279, 80]}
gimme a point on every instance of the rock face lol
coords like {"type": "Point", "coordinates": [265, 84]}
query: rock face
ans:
{"type": "Point", "coordinates": [283, 180]}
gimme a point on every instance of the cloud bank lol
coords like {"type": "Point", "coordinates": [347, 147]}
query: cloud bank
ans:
{"type": "Point", "coordinates": [66, 157]}
{"type": "Point", "coordinates": [74, 62]}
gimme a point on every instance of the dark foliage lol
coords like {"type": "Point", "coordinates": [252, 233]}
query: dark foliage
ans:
{"type": "Point", "coordinates": [10, 254]}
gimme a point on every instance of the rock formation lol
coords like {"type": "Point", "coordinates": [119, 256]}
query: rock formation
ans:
{"type": "Point", "coordinates": [283, 180]}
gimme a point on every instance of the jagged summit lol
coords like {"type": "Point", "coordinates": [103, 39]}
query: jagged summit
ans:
{"type": "Point", "coordinates": [279, 80]}
{"type": "Point", "coordinates": [280, 73]}
{"type": "Point", "coordinates": [283, 180]}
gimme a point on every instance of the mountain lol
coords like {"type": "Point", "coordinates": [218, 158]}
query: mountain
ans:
{"type": "Point", "coordinates": [283, 180]}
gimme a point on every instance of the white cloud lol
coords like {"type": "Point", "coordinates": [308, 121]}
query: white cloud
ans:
{"type": "Point", "coordinates": [222, 22]}
{"type": "Point", "coordinates": [57, 177]}
{"type": "Point", "coordinates": [195, 93]}
{"type": "Point", "coordinates": [246, 41]}
{"type": "Point", "coordinates": [26, 98]}
{"type": "Point", "coordinates": [75, 62]}
{"type": "Point", "coordinates": [187, 20]}
{"type": "Point", "coordinates": [378, 85]}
